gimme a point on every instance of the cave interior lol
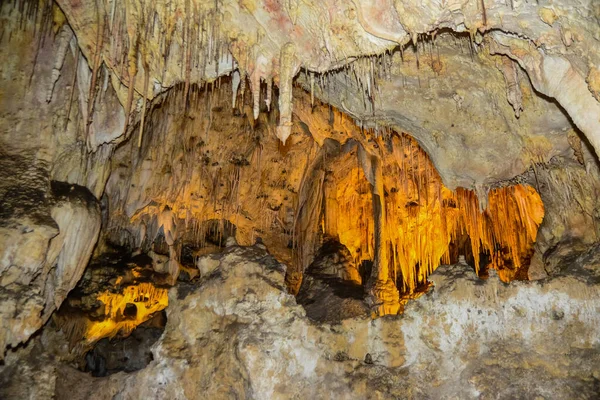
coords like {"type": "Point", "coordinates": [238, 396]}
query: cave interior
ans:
{"type": "Point", "coordinates": [275, 199]}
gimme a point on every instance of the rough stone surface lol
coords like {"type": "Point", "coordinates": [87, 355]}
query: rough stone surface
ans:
{"type": "Point", "coordinates": [335, 261]}
{"type": "Point", "coordinates": [46, 234]}
{"type": "Point", "coordinates": [129, 354]}
{"type": "Point", "coordinates": [121, 104]}
{"type": "Point", "coordinates": [331, 288]}
{"type": "Point", "coordinates": [237, 333]}
{"type": "Point", "coordinates": [58, 247]}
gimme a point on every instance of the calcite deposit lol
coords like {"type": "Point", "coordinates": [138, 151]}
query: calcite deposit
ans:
{"type": "Point", "coordinates": [327, 199]}
{"type": "Point", "coordinates": [237, 333]}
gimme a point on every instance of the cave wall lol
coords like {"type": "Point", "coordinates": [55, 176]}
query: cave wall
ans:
{"type": "Point", "coordinates": [49, 228]}
{"type": "Point", "coordinates": [79, 78]}
{"type": "Point", "coordinates": [150, 47]}
{"type": "Point", "coordinates": [452, 96]}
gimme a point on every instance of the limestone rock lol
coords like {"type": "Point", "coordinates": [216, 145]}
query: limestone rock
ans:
{"type": "Point", "coordinates": [36, 281]}
{"type": "Point", "coordinates": [335, 261]}
{"type": "Point", "coordinates": [331, 289]}
{"type": "Point", "coordinates": [494, 93]}
{"type": "Point", "coordinates": [78, 217]}
{"type": "Point", "coordinates": [238, 333]}
{"type": "Point", "coordinates": [206, 265]}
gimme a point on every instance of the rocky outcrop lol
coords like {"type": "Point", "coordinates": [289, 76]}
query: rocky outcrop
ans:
{"type": "Point", "coordinates": [77, 214]}
{"type": "Point", "coordinates": [127, 354]}
{"type": "Point", "coordinates": [504, 341]}
{"type": "Point", "coordinates": [49, 213]}
{"type": "Point", "coordinates": [239, 334]}
{"type": "Point", "coordinates": [43, 256]}
{"type": "Point", "coordinates": [47, 233]}
{"type": "Point", "coordinates": [569, 192]}
{"type": "Point", "coordinates": [333, 260]}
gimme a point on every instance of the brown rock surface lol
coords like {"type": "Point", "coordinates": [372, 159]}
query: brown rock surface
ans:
{"type": "Point", "coordinates": [237, 333]}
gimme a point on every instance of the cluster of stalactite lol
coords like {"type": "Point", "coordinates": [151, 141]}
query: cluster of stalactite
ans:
{"type": "Point", "coordinates": [145, 297]}
{"type": "Point", "coordinates": [428, 224]}
{"type": "Point", "coordinates": [190, 171]}
{"type": "Point", "coordinates": [123, 310]}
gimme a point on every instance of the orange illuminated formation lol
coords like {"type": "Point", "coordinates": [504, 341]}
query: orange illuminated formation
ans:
{"type": "Point", "coordinates": [123, 312]}
{"type": "Point", "coordinates": [146, 299]}
{"type": "Point", "coordinates": [428, 224]}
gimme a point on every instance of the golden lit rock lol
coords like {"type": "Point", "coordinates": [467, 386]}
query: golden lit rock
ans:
{"type": "Point", "coordinates": [126, 310]}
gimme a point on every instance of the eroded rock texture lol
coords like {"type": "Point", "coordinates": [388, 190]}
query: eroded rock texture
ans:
{"type": "Point", "coordinates": [362, 143]}
{"type": "Point", "coordinates": [44, 254]}
{"type": "Point", "coordinates": [237, 333]}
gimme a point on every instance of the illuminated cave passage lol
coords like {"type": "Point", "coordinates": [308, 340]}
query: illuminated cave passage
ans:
{"type": "Point", "coordinates": [274, 200]}
{"type": "Point", "coordinates": [426, 224]}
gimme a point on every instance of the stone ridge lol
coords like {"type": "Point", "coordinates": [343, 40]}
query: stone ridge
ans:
{"type": "Point", "coordinates": [238, 334]}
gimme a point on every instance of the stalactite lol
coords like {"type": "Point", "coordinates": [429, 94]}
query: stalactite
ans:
{"type": "Point", "coordinates": [255, 78]}
{"type": "Point", "coordinates": [312, 89]}
{"type": "Point", "coordinates": [84, 332]}
{"type": "Point", "coordinates": [269, 93]}
{"type": "Point", "coordinates": [288, 69]}
{"type": "Point", "coordinates": [235, 83]}
{"type": "Point", "coordinates": [44, 27]}
{"type": "Point", "coordinates": [144, 97]}
{"type": "Point", "coordinates": [73, 82]}
{"type": "Point", "coordinates": [132, 57]}
{"type": "Point", "coordinates": [483, 12]}
{"type": "Point", "coordinates": [187, 51]}
{"type": "Point", "coordinates": [424, 218]}
{"type": "Point", "coordinates": [100, 26]}
{"type": "Point", "coordinates": [147, 298]}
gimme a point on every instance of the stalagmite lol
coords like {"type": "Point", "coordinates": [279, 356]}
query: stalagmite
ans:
{"type": "Point", "coordinates": [383, 295]}
{"type": "Point", "coordinates": [380, 271]}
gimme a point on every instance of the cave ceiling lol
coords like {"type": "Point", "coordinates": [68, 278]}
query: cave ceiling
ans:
{"type": "Point", "coordinates": [465, 78]}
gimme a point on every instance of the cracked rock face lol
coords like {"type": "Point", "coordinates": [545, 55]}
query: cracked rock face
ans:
{"type": "Point", "coordinates": [467, 338]}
